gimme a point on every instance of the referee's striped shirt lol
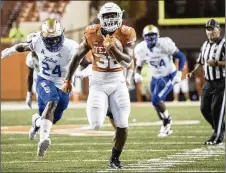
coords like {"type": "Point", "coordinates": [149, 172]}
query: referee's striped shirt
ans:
{"type": "Point", "coordinates": [214, 51]}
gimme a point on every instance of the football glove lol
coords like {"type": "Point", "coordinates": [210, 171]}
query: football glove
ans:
{"type": "Point", "coordinates": [177, 77]}
{"type": "Point", "coordinates": [29, 99]}
{"type": "Point", "coordinates": [138, 78]}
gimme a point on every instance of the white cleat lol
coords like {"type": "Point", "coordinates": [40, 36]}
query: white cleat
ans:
{"type": "Point", "coordinates": [166, 128]}
{"type": "Point", "coordinates": [34, 129]}
{"type": "Point", "coordinates": [43, 147]}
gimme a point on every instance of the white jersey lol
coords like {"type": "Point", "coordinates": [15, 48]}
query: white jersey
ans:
{"type": "Point", "coordinates": [160, 59]}
{"type": "Point", "coordinates": [53, 65]}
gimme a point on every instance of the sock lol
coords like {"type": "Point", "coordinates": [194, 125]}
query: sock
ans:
{"type": "Point", "coordinates": [165, 114]}
{"type": "Point", "coordinates": [38, 122]}
{"type": "Point", "coordinates": [115, 153]}
{"type": "Point", "coordinates": [45, 128]}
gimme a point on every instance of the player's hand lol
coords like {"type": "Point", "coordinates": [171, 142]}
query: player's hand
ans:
{"type": "Point", "coordinates": [7, 52]}
{"type": "Point", "coordinates": [108, 41]}
{"type": "Point", "coordinates": [190, 75]}
{"type": "Point", "coordinates": [67, 86]}
{"type": "Point", "coordinates": [212, 63]}
{"type": "Point", "coordinates": [29, 99]}
{"type": "Point", "coordinates": [177, 77]}
{"type": "Point", "coordinates": [138, 78]}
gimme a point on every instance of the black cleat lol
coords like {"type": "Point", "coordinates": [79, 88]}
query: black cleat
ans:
{"type": "Point", "coordinates": [219, 141]}
{"type": "Point", "coordinates": [115, 163]}
{"type": "Point", "coordinates": [210, 141]}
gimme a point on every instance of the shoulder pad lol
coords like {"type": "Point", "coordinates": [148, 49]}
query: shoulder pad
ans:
{"type": "Point", "coordinates": [30, 36]}
{"type": "Point", "coordinates": [126, 30]}
{"type": "Point", "coordinates": [92, 28]}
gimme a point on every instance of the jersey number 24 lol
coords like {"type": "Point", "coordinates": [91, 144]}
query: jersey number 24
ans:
{"type": "Point", "coordinates": [158, 64]}
{"type": "Point", "coordinates": [45, 68]}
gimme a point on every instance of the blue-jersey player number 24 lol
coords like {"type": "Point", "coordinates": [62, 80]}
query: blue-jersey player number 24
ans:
{"type": "Point", "coordinates": [48, 72]}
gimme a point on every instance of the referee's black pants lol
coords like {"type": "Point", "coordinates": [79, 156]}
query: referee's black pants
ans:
{"type": "Point", "coordinates": [212, 104]}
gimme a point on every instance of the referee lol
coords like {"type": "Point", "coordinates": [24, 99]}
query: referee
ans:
{"type": "Point", "coordinates": [212, 60]}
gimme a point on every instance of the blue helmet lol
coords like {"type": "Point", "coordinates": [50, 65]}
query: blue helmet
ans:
{"type": "Point", "coordinates": [150, 35]}
{"type": "Point", "coordinates": [52, 34]}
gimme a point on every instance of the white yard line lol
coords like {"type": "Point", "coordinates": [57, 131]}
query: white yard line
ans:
{"type": "Point", "coordinates": [107, 137]}
{"type": "Point", "coordinates": [9, 106]}
{"type": "Point", "coordinates": [108, 143]}
{"type": "Point", "coordinates": [181, 158]}
{"type": "Point", "coordinates": [87, 151]}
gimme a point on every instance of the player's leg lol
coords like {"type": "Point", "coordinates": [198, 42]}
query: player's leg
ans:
{"type": "Point", "coordinates": [176, 91]}
{"type": "Point", "coordinates": [49, 95]}
{"type": "Point", "coordinates": [97, 104]}
{"type": "Point", "coordinates": [62, 106]}
{"type": "Point", "coordinates": [185, 89]}
{"type": "Point", "coordinates": [36, 119]}
{"type": "Point", "coordinates": [163, 87]}
{"type": "Point", "coordinates": [120, 107]}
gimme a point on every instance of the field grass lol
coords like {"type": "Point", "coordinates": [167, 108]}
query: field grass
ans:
{"type": "Point", "coordinates": [144, 151]}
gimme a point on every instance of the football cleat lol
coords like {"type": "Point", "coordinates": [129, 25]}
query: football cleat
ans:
{"type": "Point", "coordinates": [166, 128]}
{"type": "Point", "coordinates": [115, 163]}
{"type": "Point", "coordinates": [34, 129]}
{"type": "Point", "coordinates": [43, 147]}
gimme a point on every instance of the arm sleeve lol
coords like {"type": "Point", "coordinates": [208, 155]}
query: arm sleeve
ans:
{"type": "Point", "coordinates": [29, 61]}
{"type": "Point", "coordinates": [182, 59]}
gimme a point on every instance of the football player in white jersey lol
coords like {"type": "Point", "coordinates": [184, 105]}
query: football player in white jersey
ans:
{"type": "Point", "coordinates": [158, 53]}
{"type": "Point", "coordinates": [54, 52]}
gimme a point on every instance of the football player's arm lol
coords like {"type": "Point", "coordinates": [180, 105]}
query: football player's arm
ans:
{"type": "Point", "coordinates": [83, 49]}
{"type": "Point", "coordinates": [21, 47]}
{"type": "Point", "coordinates": [85, 62]}
{"type": "Point", "coordinates": [30, 79]}
{"type": "Point", "coordinates": [125, 57]}
{"type": "Point", "coordinates": [181, 57]}
{"type": "Point", "coordinates": [29, 86]}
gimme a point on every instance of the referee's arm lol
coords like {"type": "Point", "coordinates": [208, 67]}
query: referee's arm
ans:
{"type": "Point", "coordinates": [198, 66]}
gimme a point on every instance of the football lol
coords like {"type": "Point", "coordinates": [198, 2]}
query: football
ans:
{"type": "Point", "coordinates": [118, 44]}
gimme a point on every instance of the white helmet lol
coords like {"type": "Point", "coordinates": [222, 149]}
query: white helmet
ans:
{"type": "Point", "coordinates": [110, 22]}
{"type": "Point", "coordinates": [52, 34]}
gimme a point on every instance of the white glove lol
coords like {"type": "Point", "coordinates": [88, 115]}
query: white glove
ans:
{"type": "Point", "coordinates": [138, 78]}
{"type": "Point", "coordinates": [8, 51]}
{"type": "Point", "coordinates": [177, 77]}
{"type": "Point", "coordinates": [29, 99]}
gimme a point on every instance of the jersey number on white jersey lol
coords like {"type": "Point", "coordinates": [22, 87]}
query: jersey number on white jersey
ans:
{"type": "Point", "coordinates": [158, 64]}
{"type": "Point", "coordinates": [46, 69]}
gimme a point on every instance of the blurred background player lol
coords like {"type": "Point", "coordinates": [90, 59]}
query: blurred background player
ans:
{"type": "Point", "coordinates": [112, 45]}
{"type": "Point", "coordinates": [54, 53]}
{"type": "Point", "coordinates": [16, 34]}
{"type": "Point", "coordinates": [182, 85]}
{"type": "Point", "coordinates": [158, 53]}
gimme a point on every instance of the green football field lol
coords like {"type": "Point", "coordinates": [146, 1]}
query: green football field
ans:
{"type": "Point", "coordinates": [76, 148]}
